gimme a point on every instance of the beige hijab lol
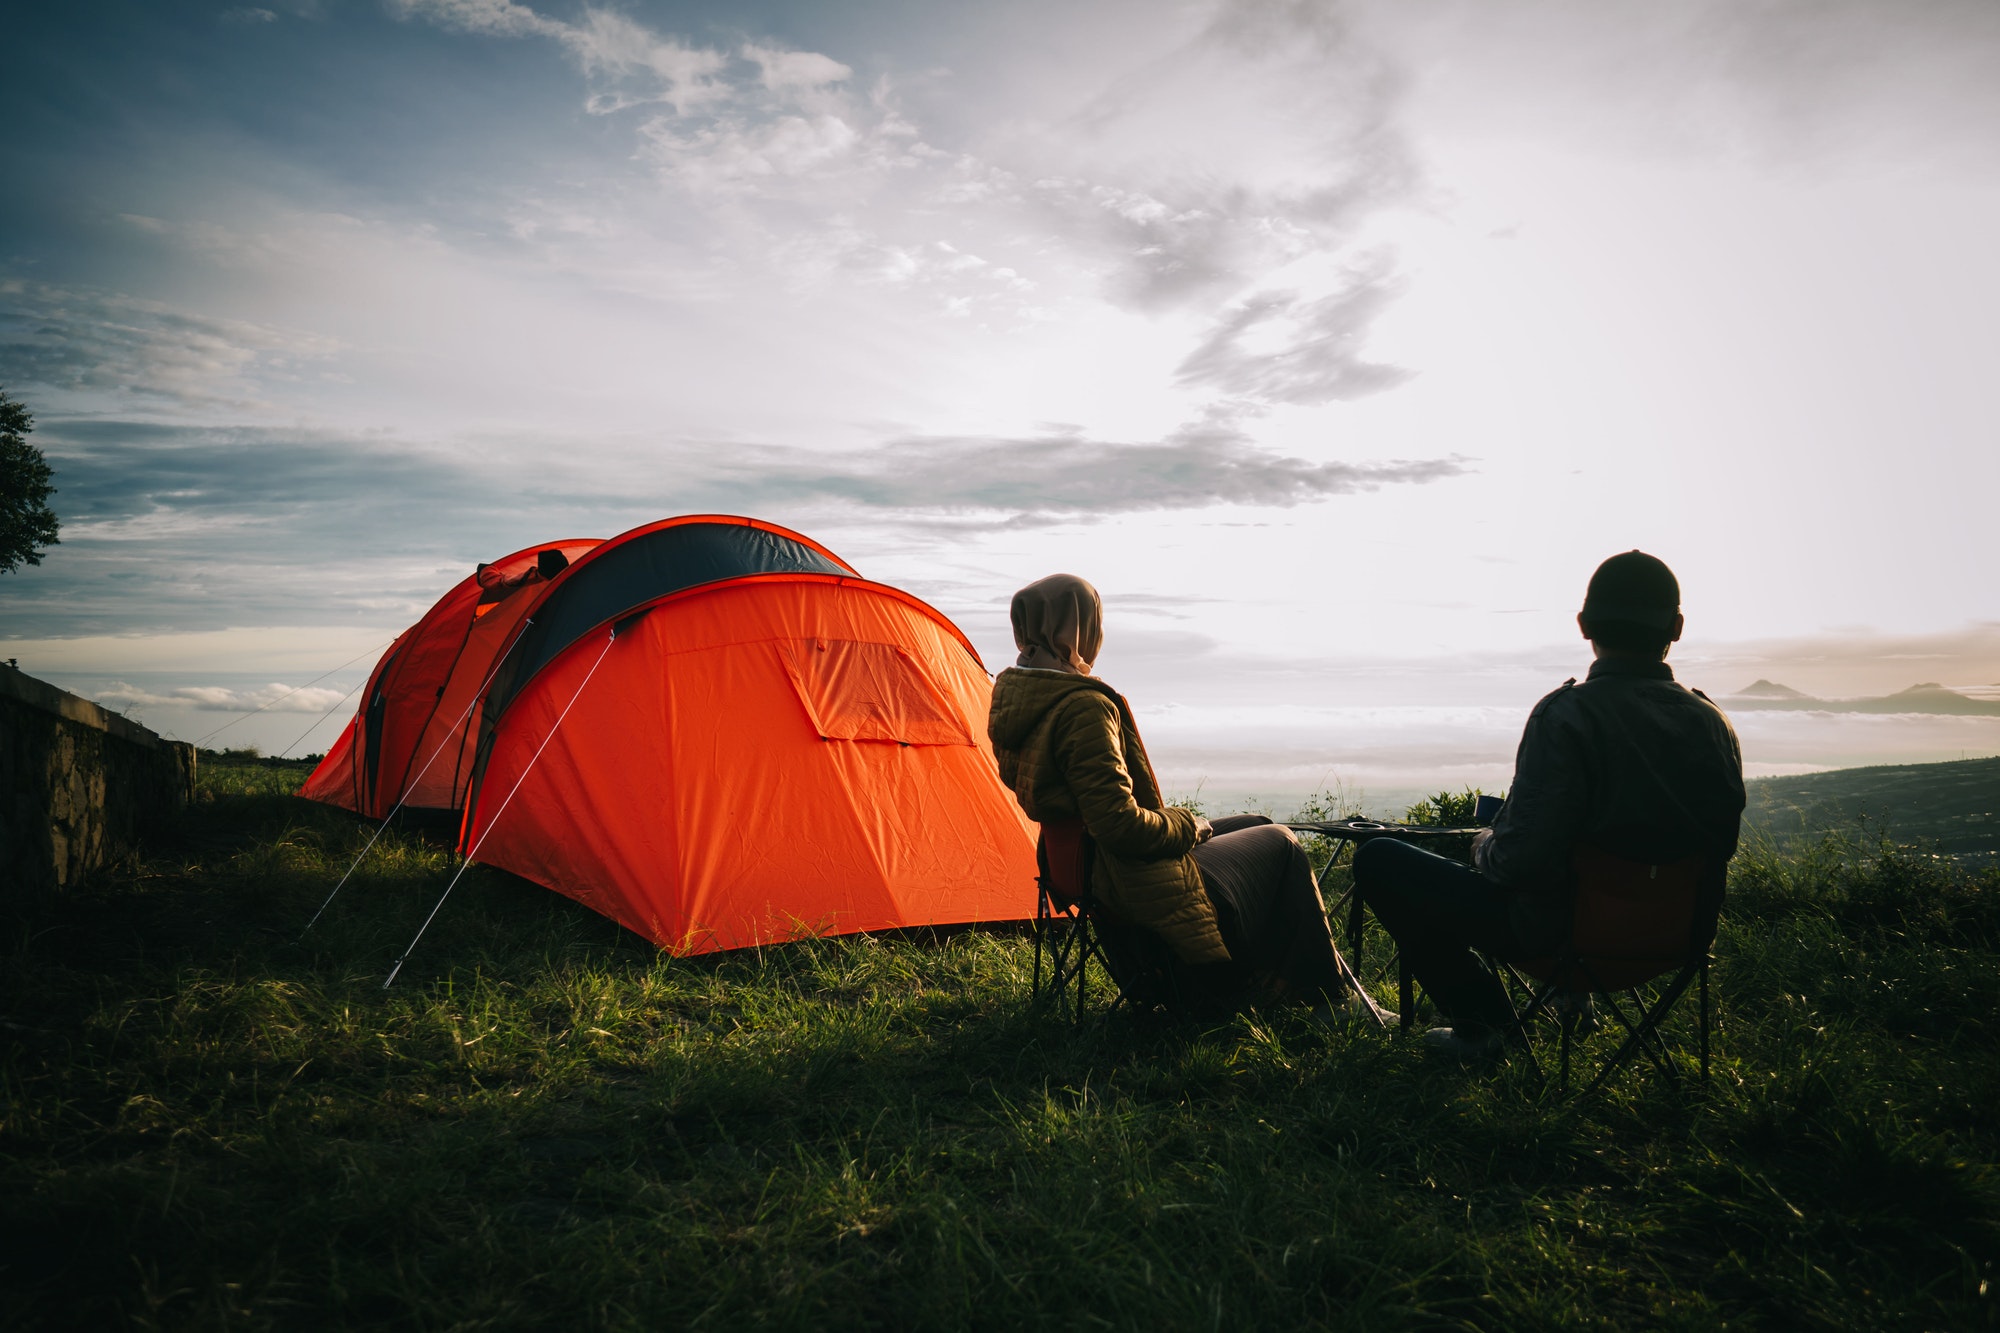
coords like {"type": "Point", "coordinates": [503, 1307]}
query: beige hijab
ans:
{"type": "Point", "coordinates": [1058, 624]}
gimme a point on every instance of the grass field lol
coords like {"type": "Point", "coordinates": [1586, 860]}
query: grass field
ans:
{"type": "Point", "coordinates": [211, 1122]}
{"type": "Point", "coordinates": [1954, 807]}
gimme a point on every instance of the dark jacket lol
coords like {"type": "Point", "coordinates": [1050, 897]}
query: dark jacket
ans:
{"type": "Point", "coordinates": [1629, 761]}
{"type": "Point", "coordinates": [1068, 749]}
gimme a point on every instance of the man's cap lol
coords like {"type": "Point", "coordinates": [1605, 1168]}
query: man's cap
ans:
{"type": "Point", "coordinates": [1635, 588]}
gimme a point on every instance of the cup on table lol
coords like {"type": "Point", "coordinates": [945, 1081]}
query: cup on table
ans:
{"type": "Point", "coordinates": [1485, 807]}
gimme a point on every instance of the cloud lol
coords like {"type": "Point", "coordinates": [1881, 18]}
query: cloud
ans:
{"type": "Point", "coordinates": [126, 474]}
{"type": "Point", "coordinates": [1830, 83]}
{"type": "Point", "coordinates": [1319, 356]}
{"type": "Point", "coordinates": [145, 353]}
{"type": "Point", "coordinates": [185, 528]}
{"type": "Point", "coordinates": [728, 133]}
{"type": "Point", "coordinates": [1188, 185]}
{"type": "Point", "coordinates": [627, 62]}
{"type": "Point", "coordinates": [258, 14]}
{"type": "Point", "coordinates": [795, 69]}
{"type": "Point", "coordinates": [1268, 137]}
{"type": "Point", "coordinates": [740, 155]}
{"type": "Point", "coordinates": [1066, 476]}
{"type": "Point", "coordinates": [175, 527]}
{"type": "Point", "coordinates": [633, 66]}
{"type": "Point", "coordinates": [491, 18]}
{"type": "Point", "coordinates": [273, 698]}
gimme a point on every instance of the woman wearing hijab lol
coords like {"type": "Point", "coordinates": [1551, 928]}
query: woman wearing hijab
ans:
{"type": "Point", "coordinates": [1239, 908]}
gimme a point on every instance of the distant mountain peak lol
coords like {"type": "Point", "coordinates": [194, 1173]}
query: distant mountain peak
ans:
{"type": "Point", "coordinates": [1927, 697]}
{"type": "Point", "coordinates": [1769, 689]}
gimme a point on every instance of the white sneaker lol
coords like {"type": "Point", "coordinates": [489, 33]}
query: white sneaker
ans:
{"type": "Point", "coordinates": [1466, 1050]}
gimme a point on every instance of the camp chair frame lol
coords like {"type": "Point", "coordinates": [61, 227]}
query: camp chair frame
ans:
{"type": "Point", "coordinates": [1064, 942]}
{"type": "Point", "coordinates": [1641, 1035]}
{"type": "Point", "coordinates": [1632, 924]}
{"type": "Point", "coordinates": [1347, 836]}
{"type": "Point", "coordinates": [1069, 932]}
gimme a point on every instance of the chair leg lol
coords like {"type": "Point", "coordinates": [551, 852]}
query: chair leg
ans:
{"type": "Point", "coordinates": [1083, 969]}
{"type": "Point", "coordinates": [1645, 1039]}
{"type": "Point", "coordinates": [1348, 975]}
{"type": "Point", "coordinates": [1064, 937]}
{"type": "Point", "coordinates": [1507, 971]}
{"type": "Point", "coordinates": [1641, 1025]}
{"type": "Point", "coordinates": [1647, 1026]}
{"type": "Point", "coordinates": [1704, 1018]}
{"type": "Point", "coordinates": [1356, 921]}
{"type": "Point", "coordinates": [1041, 938]}
{"type": "Point", "coordinates": [1541, 1003]}
{"type": "Point", "coordinates": [1644, 1034]}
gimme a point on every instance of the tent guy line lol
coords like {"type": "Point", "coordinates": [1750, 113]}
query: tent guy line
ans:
{"type": "Point", "coordinates": [471, 704]}
{"type": "Point", "coordinates": [289, 693]}
{"type": "Point", "coordinates": [320, 721]}
{"type": "Point", "coordinates": [494, 822]}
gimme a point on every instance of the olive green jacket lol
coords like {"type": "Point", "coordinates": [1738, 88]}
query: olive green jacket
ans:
{"type": "Point", "coordinates": [1068, 749]}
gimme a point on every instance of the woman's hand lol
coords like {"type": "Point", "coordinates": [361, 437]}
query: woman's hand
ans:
{"type": "Point", "coordinates": [1203, 830]}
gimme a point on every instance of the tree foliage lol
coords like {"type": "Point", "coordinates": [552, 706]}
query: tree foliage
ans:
{"type": "Point", "coordinates": [27, 524]}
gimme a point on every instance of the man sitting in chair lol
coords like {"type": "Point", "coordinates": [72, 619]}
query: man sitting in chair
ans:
{"type": "Point", "coordinates": [1629, 761]}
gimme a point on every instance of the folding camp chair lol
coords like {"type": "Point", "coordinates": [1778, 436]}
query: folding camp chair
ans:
{"type": "Point", "coordinates": [1070, 930]}
{"type": "Point", "coordinates": [1633, 924]}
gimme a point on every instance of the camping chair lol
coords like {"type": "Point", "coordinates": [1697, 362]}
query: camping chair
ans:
{"type": "Point", "coordinates": [1071, 929]}
{"type": "Point", "coordinates": [1633, 923]}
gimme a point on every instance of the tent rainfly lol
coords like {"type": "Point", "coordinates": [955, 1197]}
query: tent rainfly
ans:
{"type": "Point", "coordinates": [713, 731]}
{"type": "Point", "coordinates": [410, 743]}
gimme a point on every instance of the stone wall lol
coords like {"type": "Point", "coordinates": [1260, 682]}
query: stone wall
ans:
{"type": "Point", "coordinates": [79, 786]}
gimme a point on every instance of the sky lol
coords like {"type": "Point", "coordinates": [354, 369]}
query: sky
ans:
{"type": "Point", "coordinates": [1335, 343]}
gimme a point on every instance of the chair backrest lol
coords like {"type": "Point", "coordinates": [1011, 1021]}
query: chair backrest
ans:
{"type": "Point", "coordinates": [1066, 853]}
{"type": "Point", "coordinates": [1138, 960]}
{"type": "Point", "coordinates": [1632, 920]}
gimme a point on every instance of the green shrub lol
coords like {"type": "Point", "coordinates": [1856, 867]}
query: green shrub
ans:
{"type": "Point", "coordinates": [1447, 809]}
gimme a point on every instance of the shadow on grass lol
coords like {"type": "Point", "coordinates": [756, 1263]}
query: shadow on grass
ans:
{"type": "Point", "coordinates": [211, 1122]}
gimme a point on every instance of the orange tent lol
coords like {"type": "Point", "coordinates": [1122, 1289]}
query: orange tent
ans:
{"type": "Point", "coordinates": [408, 744]}
{"type": "Point", "coordinates": [713, 731]}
